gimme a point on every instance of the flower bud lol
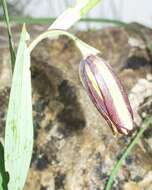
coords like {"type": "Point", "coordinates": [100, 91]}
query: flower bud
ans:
{"type": "Point", "coordinates": [107, 93]}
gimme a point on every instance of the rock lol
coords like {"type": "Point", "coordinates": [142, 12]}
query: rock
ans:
{"type": "Point", "coordinates": [146, 183]}
{"type": "Point", "coordinates": [74, 148]}
{"type": "Point", "coordinates": [131, 186]}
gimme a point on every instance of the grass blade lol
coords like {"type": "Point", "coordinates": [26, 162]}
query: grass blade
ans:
{"type": "Point", "coordinates": [19, 125]}
{"type": "Point", "coordinates": [11, 46]}
{"type": "Point", "coordinates": [3, 174]}
{"type": "Point", "coordinates": [47, 20]}
{"type": "Point", "coordinates": [115, 170]}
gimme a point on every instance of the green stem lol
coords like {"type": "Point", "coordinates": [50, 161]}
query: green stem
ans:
{"type": "Point", "coordinates": [118, 164]}
{"type": "Point", "coordinates": [84, 48]}
{"type": "Point", "coordinates": [51, 34]}
{"type": "Point", "coordinates": [11, 47]}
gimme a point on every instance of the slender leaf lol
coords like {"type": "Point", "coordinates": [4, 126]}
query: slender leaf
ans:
{"type": "Point", "coordinates": [72, 15]}
{"type": "Point", "coordinates": [19, 126]}
{"type": "Point", "coordinates": [47, 20]}
{"type": "Point", "coordinates": [11, 46]}
{"type": "Point", "coordinates": [3, 174]}
{"type": "Point", "coordinates": [1, 181]}
{"type": "Point", "coordinates": [147, 123]}
{"type": "Point", "coordinates": [88, 6]}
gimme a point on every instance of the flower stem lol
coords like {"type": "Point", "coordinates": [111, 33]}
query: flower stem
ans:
{"type": "Point", "coordinates": [55, 33]}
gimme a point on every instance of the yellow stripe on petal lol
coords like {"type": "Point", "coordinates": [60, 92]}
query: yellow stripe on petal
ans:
{"type": "Point", "coordinates": [93, 80]}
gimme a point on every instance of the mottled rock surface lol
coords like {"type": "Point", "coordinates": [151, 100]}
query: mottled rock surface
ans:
{"type": "Point", "coordinates": [74, 148]}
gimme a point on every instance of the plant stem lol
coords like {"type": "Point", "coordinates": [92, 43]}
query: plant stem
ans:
{"type": "Point", "coordinates": [11, 46]}
{"type": "Point", "coordinates": [146, 124]}
{"type": "Point", "coordinates": [55, 33]}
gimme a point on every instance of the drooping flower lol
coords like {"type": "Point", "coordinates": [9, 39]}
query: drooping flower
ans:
{"type": "Point", "coordinates": [107, 93]}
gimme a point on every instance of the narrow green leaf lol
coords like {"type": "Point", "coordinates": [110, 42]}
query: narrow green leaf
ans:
{"type": "Point", "coordinates": [11, 46]}
{"type": "Point", "coordinates": [147, 123]}
{"type": "Point", "coordinates": [3, 174]}
{"type": "Point", "coordinates": [89, 4]}
{"type": "Point", "coordinates": [47, 20]}
{"type": "Point", "coordinates": [19, 125]}
{"type": "Point", "coordinates": [1, 181]}
{"type": "Point", "coordinates": [72, 15]}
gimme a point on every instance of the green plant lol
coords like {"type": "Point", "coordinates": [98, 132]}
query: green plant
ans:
{"type": "Point", "coordinates": [147, 123]}
{"type": "Point", "coordinates": [19, 125]}
{"type": "Point", "coordinates": [11, 45]}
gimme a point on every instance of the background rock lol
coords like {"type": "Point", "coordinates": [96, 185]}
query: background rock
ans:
{"type": "Point", "coordinates": [74, 148]}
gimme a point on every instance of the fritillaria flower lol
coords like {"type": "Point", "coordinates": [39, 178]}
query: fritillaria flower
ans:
{"type": "Point", "coordinates": [107, 93]}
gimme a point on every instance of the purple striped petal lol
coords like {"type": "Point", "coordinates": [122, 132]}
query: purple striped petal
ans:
{"type": "Point", "coordinates": [107, 93]}
{"type": "Point", "coordinates": [94, 95]}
